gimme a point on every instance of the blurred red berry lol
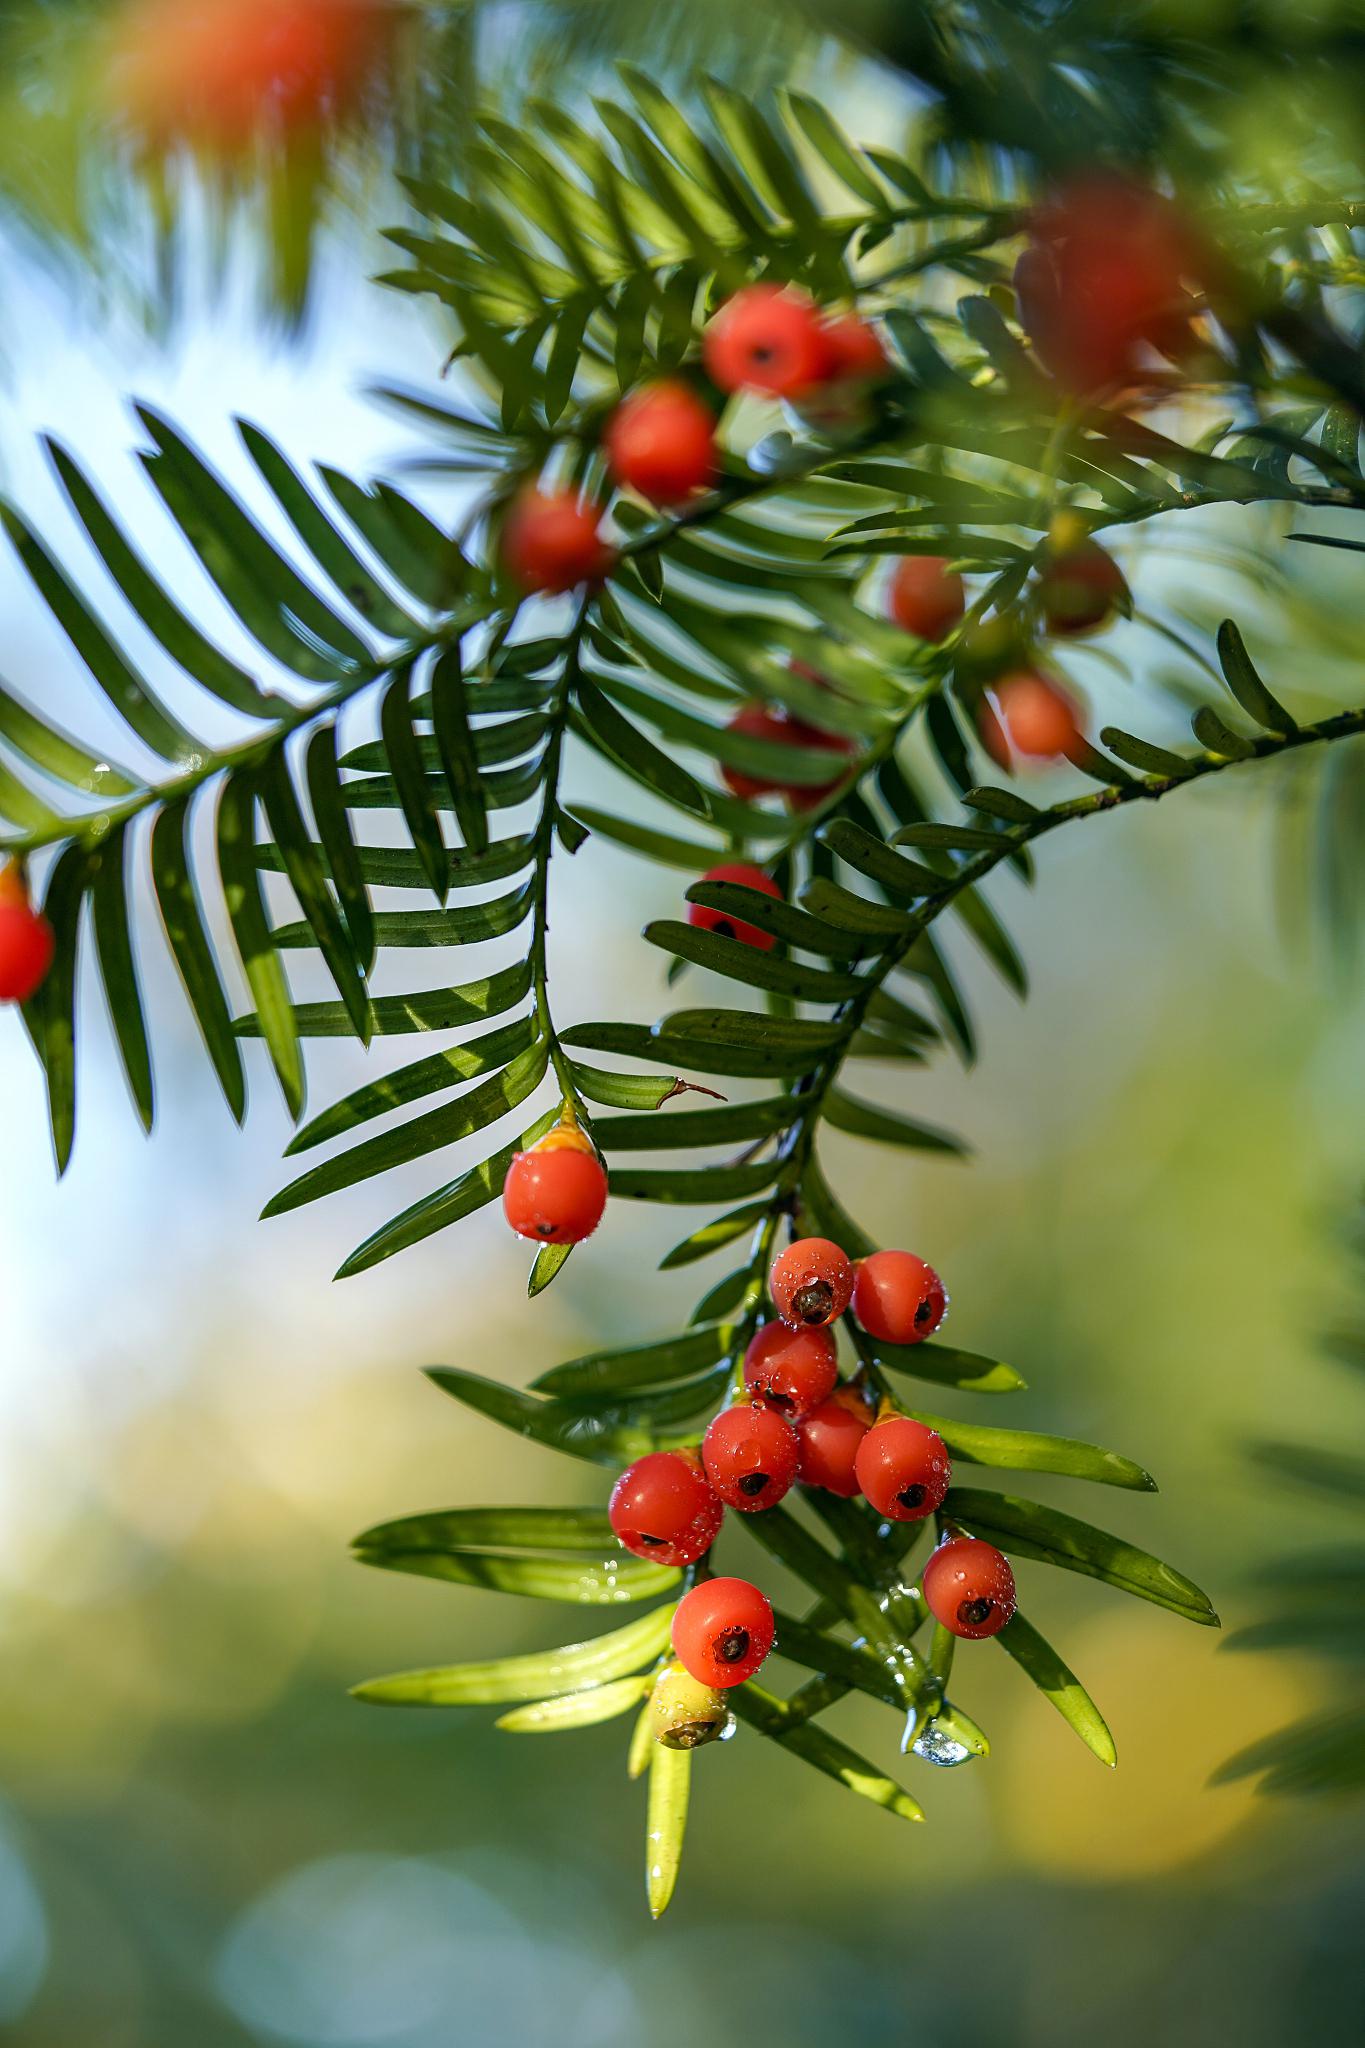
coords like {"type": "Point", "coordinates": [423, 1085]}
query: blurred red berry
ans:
{"type": "Point", "coordinates": [804, 796]}
{"type": "Point", "coordinates": [927, 597]}
{"type": "Point", "coordinates": [557, 1191]}
{"type": "Point", "coordinates": [551, 542]}
{"type": "Point", "coordinates": [897, 1297]}
{"type": "Point", "coordinates": [27, 943]}
{"type": "Point", "coordinates": [724, 923]}
{"type": "Point", "coordinates": [220, 72]}
{"type": "Point", "coordinates": [1104, 277]}
{"type": "Point", "coordinates": [969, 1587]}
{"type": "Point", "coordinates": [1040, 718]}
{"type": "Point", "coordinates": [829, 1437]}
{"type": "Point", "coordinates": [768, 337]}
{"type": "Point", "coordinates": [903, 1468]}
{"type": "Point", "coordinates": [792, 1370]}
{"type": "Point", "coordinates": [750, 1454]}
{"type": "Point", "coordinates": [661, 442]}
{"type": "Point", "coordinates": [811, 1282]}
{"type": "Point", "coordinates": [853, 349]}
{"type": "Point", "coordinates": [722, 1631]}
{"type": "Point", "coordinates": [662, 1508]}
{"type": "Point", "coordinates": [1080, 589]}
{"type": "Point", "coordinates": [755, 722]}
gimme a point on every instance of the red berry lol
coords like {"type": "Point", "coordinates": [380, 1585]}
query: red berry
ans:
{"type": "Point", "coordinates": [662, 1508]}
{"type": "Point", "coordinates": [750, 1454]}
{"type": "Point", "coordinates": [26, 941]}
{"type": "Point", "coordinates": [791, 1370]}
{"type": "Point", "coordinates": [551, 543]}
{"type": "Point", "coordinates": [722, 1631]}
{"type": "Point", "coordinates": [897, 1297]}
{"type": "Point", "coordinates": [557, 1191]}
{"type": "Point", "coordinates": [853, 349]}
{"type": "Point", "coordinates": [768, 337]}
{"type": "Point", "coordinates": [1104, 278]}
{"type": "Point", "coordinates": [1080, 589]}
{"type": "Point", "coordinates": [721, 921]}
{"type": "Point", "coordinates": [661, 442]}
{"type": "Point", "coordinates": [756, 722]}
{"type": "Point", "coordinates": [1041, 719]}
{"type": "Point", "coordinates": [220, 71]}
{"type": "Point", "coordinates": [969, 1587]}
{"type": "Point", "coordinates": [803, 796]}
{"type": "Point", "coordinates": [829, 1438]}
{"type": "Point", "coordinates": [903, 1468]}
{"type": "Point", "coordinates": [811, 1282]}
{"type": "Point", "coordinates": [927, 597]}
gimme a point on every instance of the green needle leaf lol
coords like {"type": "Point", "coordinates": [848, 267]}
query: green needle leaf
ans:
{"type": "Point", "coordinates": [1026, 1529]}
{"type": "Point", "coordinates": [1051, 1676]}
{"type": "Point", "coordinates": [670, 1781]}
{"type": "Point", "coordinates": [543, 1673]}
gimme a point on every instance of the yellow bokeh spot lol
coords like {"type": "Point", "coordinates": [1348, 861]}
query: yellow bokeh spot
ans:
{"type": "Point", "coordinates": [1178, 1706]}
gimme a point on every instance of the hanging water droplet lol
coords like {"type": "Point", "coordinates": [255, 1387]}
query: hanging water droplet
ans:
{"type": "Point", "coordinates": [936, 1746]}
{"type": "Point", "coordinates": [773, 455]}
{"type": "Point", "coordinates": [730, 1727]}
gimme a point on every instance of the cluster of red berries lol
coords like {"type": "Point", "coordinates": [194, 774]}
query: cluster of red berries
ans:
{"type": "Point", "coordinates": [26, 941]}
{"type": "Point", "coordinates": [1078, 590]}
{"type": "Point", "coordinates": [800, 1422]}
{"type": "Point", "coordinates": [660, 441]}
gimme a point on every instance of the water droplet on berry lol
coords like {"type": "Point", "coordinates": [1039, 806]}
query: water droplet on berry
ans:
{"type": "Point", "coordinates": [728, 1728]}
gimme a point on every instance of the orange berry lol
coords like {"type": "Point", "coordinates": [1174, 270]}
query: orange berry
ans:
{"type": "Point", "coordinates": [811, 1282]}
{"type": "Point", "coordinates": [897, 1297]}
{"type": "Point", "coordinates": [660, 441]}
{"type": "Point", "coordinates": [556, 1192]}
{"type": "Point", "coordinates": [551, 542]}
{"type": "Point", "coordinates": [1041, 719]}
{"type": "Point", "coordinates": [927, 597]}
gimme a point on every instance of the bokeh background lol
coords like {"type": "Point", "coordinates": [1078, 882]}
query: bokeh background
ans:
{"type": "Point", "coordinates": [204, 1843]}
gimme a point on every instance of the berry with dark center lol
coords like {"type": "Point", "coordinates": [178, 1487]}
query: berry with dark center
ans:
{"type": "Point", "coordinates": [767, 337]}
{"type": "Point", "coordinates": [897, 1297]}
{"type": "Point", "coordinates": [27, 943]}
{"type": "Point", "coordinates": [1080, 589]}
{"type": "Point", "coordinates": [811, 1282]}
{"type": "Point", "coordinates": [1039, 716]}
{"type": "Point", "coordinates": [903, 1468]}
{"type": "Point", "coordinates": [662, 1508]}
{"type": "Point", "coordinates": [750, 1454]}
{"type": "Point", "coordinates": [551, 542]}
{"type": "Point", "coordinates": [755, 722]}
{"type": "Point", "coordinates": [829, 1437]}
{"type": "Point", "coordinates": [556, 1192]}
{"type": "Point", "coordinates": [660, 441]}
{"type": "Point", "coordinates": [969, 1587]}
{"type": "Point", "coordinates": [724, 923]}
{"type": "Point", "coordinates": [928, 598]}
{"type": "Point", "coordinates": [791, 1370]}
{"type": "Point", "coordinates": [722, 1631]}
